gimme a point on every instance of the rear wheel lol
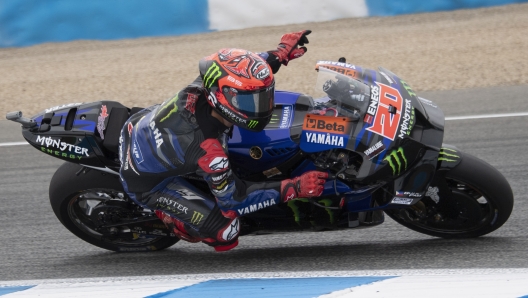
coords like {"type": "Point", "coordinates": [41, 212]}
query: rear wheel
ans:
{"type": "Point", "coordinates": [470, 200]}
{"type": "Point", "coordinates": [94, 207]}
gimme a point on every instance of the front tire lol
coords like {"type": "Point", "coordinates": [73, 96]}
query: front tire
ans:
{"type": "Point", "coordinates": [476, 200]}
{"type": "Point", "coordinates": [72, 197]}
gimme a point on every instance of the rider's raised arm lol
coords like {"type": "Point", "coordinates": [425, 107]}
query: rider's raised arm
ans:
{"type": "Point", "coordinates": [290, 47]}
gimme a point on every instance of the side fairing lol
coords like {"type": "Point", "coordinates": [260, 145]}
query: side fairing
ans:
{"type": "Point", "coordinates": [261, 153]}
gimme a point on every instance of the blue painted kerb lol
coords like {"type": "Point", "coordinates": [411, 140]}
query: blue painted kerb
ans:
{"type": "Point", "coordinates": [9, 290]}
{"type": "Point", "coordinates": [269, 287]}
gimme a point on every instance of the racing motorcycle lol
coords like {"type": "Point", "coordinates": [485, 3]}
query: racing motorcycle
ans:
{"type": "Point", "coordinates": [381, 144]}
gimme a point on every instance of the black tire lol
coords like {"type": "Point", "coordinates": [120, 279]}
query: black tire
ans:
{"type": "Point", "coordinates": [65, 189]}
{"type": "Point", "coordinates": [481, 202]}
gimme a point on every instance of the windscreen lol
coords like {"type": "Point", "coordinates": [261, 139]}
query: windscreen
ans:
{"type": "Point", "coordinates": [346, 95]}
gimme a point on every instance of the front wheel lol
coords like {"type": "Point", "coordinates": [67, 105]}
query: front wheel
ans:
{"type": "Point", "coordinates": [94, 207]}
{"type": "Point", "coordinates": [470, 200]}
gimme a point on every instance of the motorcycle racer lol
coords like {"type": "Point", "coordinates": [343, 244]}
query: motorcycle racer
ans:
{"type": "Point", "coordinates": [161, 146]}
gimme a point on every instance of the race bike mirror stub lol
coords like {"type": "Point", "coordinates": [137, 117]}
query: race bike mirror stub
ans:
{"type": "Point", "coordinates": [321, 133]}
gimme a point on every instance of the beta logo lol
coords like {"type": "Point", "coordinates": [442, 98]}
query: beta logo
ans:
{"type": "Point", "coordinates": [326, 124]}
{"type": "Point", "coordinates": [386, 107]}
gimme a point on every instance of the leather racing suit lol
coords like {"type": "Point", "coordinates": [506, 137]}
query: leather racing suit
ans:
{"type": "Point", "coordinates": [163, 145]}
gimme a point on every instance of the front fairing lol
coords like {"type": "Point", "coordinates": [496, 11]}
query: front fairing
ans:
{"type": "Point", "coordinates": [378, 116]}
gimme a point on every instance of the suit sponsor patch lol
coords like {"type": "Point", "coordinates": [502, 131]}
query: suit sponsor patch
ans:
{"type": "Point", "coordinates": [256, 207]}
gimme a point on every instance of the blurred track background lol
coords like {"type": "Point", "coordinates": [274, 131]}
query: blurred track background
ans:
{"type": "Point", "coordinates": [470, 62]}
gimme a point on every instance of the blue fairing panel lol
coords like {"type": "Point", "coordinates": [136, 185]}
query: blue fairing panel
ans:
{"type": "Point", "coordinates": [274, 141]}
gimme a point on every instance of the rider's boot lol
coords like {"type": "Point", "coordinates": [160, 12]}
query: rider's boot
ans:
{"type": "Point", "coordinates": [226, 231]}
{"type": "Point", "coordinates": [222, 232]}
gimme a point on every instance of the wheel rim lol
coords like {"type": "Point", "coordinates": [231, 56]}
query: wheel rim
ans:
{"type": "Point", "coordinates": [80, 211]}
{"type": "Point", "coordinates": [465, 211]}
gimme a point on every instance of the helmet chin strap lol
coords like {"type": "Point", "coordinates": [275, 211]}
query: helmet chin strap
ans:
{"type": "Point", "coordinates": [221, 119]}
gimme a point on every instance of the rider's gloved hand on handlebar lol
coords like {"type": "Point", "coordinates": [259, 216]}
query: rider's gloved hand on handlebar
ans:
{"type": "Point", "coordinates": [309, 184]}
{"type": "Point", "coordinates": [289, 49]}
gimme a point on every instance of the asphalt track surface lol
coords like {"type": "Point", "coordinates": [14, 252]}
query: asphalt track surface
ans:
{"type": "Point", "coordinates": [34, 245]}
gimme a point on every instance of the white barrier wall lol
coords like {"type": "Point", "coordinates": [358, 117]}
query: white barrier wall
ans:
{"type": "Point", "coordinates": [239, 14]}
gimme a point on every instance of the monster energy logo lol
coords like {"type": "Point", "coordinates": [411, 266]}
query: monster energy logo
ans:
{"type": "Point", "coordinates": [448, 156]}
{"type": "Point", "coordinates": [211, 75]}
{"type": "Point", "coordinates": [408, 88]}
{"type": "Point", "coordinates": [297, 212]}
{"type": "Point", "coordinates": [274, 118]}
{"type": "Point", "coordinates": [196, 218]}
{"type": "Point", "coordinates": [167, 105]}
{"type": "Point", "coordinates": [252, 124]}
{"type": "Point", "coordinates": [397, 161]}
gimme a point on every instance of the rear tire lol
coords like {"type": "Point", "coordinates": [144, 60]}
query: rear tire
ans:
{"type": "Point", "coordinates": [481, 201]}
{"type": "Point", "coordinates": [66, 189]}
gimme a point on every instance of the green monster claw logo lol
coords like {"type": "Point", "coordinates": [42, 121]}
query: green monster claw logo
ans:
{"type": "Point", "coordinates": [196, 218]}
{"type": "Point", "coordinates": [397, 161]}
{"type": "Point", "coordinates": [408, 88]}
{"type": "Point", "coordinates": [295, 209]}
{"type": "Point", "coordinates": [448, 156]}
{"type": "Point", "coordinates": [167, 105]}
{"type": "Point", "coordinates": [297, 213]}
{"type": "Point", "coordinates": [252, 124]}
{"type": "Point", "coordinates": [211, 75]}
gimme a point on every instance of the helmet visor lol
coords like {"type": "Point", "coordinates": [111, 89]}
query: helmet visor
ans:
{"type": "Point", "coordinates": [253, 103]}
